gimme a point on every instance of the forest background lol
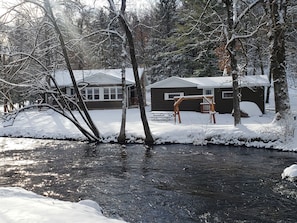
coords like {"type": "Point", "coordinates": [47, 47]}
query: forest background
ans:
{"type": "Point", "coordinates": [172, 38]}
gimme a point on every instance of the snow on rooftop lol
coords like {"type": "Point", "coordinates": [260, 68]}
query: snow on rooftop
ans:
{"type": "Point", "coordinates": [226, 81]}
{"type": "Point", "coordinates": [102, 76]}
{"type": "Point", "coordinates": [212, 82]}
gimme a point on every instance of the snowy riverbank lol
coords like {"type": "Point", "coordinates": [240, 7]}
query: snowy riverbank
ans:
{"type": "Point", "coordinates": [255, 131]}
{"type": "Point", "coordinates": [19, 205]}
{"type": "Point", "coordinates": [196, 128]}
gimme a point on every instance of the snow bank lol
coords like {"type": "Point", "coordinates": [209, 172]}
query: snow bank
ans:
{"type": "Point", "coordinates": [196, 128]}
{"type": "Point", "coordinates": [250, 108]}
{"type": "Point", "coordinates": [18, 205]}
{"type": "Point", "coordinates": [290, 172]}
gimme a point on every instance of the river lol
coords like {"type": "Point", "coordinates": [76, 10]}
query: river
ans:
{"type": "Point", "coordinates": [167, 183]}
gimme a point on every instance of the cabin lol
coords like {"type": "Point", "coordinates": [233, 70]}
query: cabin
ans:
{"type": "Point", "coordinates": [101, 89]}
{"type": "Point", "coordinates": [165, 92]}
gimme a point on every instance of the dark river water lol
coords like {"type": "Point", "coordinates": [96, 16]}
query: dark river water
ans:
{"type": "Point", "coordinates": [168, 183]}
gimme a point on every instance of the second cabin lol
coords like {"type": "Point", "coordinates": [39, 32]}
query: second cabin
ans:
{"type": "Point", "coordinates": [163, 93]}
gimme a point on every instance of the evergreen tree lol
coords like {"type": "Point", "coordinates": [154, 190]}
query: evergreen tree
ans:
{"type": "Point", "coordinates": [161, 63]}
{"type": "Point", "coordinates": [194, 45]}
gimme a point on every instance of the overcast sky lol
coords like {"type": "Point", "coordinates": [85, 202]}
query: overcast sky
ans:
{"type": "Point", "coordinates": [131, 4]}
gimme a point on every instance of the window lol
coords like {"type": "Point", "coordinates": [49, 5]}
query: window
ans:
{"type": "Point", "coordinates": [227, 94]}
{"type": "Point", "coordinates": [120, 93]}
{"type": "Point", "coordinates": [208, 91]}
{"type": "Point", "coordinates": [106, 93]}
{"type": "Point", "coordinates": [96, 94]}
{"type": "Point", "coordinates": [170, 96]}
{"type": "Point", "coordinates": [112, 93]}
{"type": "Point", "coordinates": [102, 94]}
{"type": "Point", "coordinates": [89, 93]}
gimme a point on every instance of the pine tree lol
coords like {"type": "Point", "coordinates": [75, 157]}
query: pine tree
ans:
{"type": "Point", "coordinates": [191, 39]}
{"type": "Point", "coordinates": [161, 62]}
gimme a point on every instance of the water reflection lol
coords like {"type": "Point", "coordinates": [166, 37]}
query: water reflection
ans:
{"type": "Point", "coordinates": [168, 183]}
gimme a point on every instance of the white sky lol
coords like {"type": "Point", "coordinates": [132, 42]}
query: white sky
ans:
{"type": "Point", "coordinates": [131, 4]}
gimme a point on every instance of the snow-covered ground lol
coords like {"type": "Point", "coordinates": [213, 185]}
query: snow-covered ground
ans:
{"type": "Point", "coordinates": [21, 206]}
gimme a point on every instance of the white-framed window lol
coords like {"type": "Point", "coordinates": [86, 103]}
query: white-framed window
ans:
{"type": "Point", "coordinates": [208, 91]}
{"type": "Point", "coordinates": [112, 93]}
{"type": "Point", "coordinates": [96, 94]}
{"type": "Point", "coordinates": [227, 94]}
{"type": "Point", "coordinates": [120, 93]}
{"type": "Point", "coordinates": [91, 93]}
{"type": "Point", "coordinates": [100, 93]}
{"type": "Point", "coordinates": [170, 96]}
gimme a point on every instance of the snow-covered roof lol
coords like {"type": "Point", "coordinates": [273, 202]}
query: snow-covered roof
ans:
{"type": "Point", "coordinates": [173, 82]}
{"type": "Point", "coordinates": [100, 76]}
{"type": "Point", "coordinates": [212, 82]}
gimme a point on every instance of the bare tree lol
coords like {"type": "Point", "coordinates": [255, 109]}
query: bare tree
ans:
{"type": "Point", "coordinates": [231, 33]}
{"type": "Point", "coordinates": [122, 134]}
{"type": "Point", "coordinates": [39, 86]}
{"type": "Point", "coordinates": [122, 19]}
{"type": "Point", "coordinates": [65, 54]}
{"type": "Point", "coordinates": [277, 11]}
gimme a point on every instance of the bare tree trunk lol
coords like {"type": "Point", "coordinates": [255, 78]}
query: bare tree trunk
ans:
{"type": "Point", "coordinates": [122, 135]}
{"type": "Point", "coordinates": [5, 105]}
{"type": "Point", "coordinates": [277, 12]}
{"type": "Point", "coordinates": [268, 89]}
{"type": "Point", "coordinates": [277, 56]}
{"type": "Point", "coordinates": [149, 140]}
{"type": "Point", "coordinates": [230, 7]}
{"type": "Point", "coordinates": [235, 85]}
{"type": "Point", "coordinates": [148, 136]}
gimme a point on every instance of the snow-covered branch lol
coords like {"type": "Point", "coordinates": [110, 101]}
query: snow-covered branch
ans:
{"type": "Point", "coordinates": [13, 84]}
{"type": "Point", "coordinates": [245, 12]}
{"type": "Point", "coordinates": [245, 36]}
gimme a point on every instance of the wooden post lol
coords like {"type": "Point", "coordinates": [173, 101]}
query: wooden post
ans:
{"type": "Point", "coordinates": [176, 108]}
{"type": "Point", "coordinates": [213, 111]}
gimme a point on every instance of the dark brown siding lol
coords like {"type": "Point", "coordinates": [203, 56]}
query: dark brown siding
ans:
{"type": "Point", "coordinates": [222, 106]}
{"type": "Point", "coordinates": [255, 95]}
{"type": "Point", "coordinates": [103, 104]}
{"type": "Point", "coordinates": [159, 104]}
